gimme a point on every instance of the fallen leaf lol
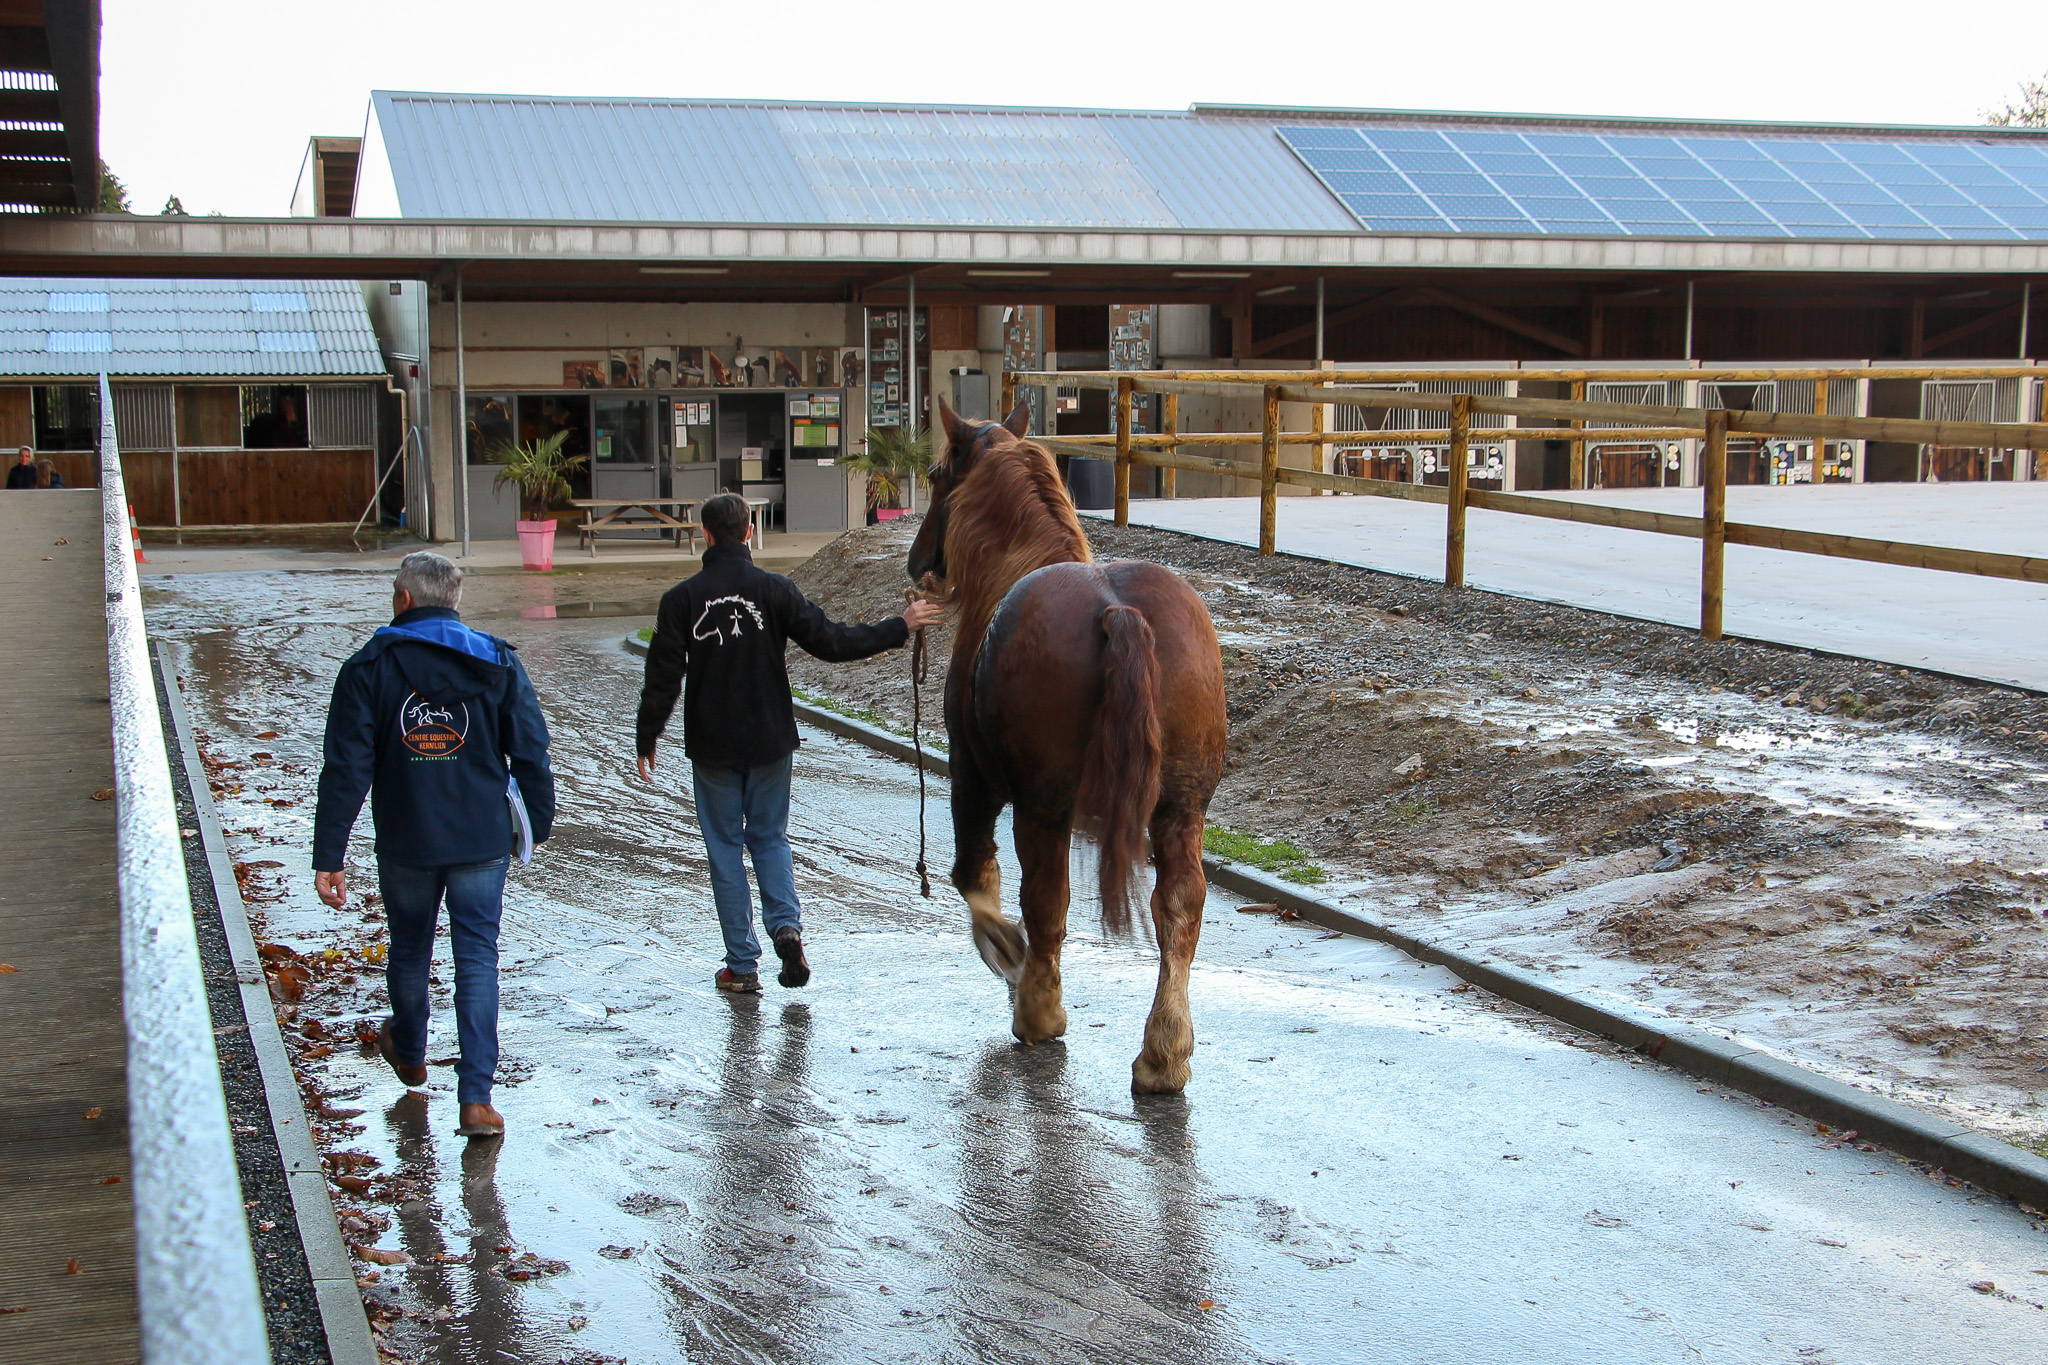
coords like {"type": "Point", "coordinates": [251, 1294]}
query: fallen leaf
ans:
{"type": "Point", "coordinates": [72, 1267]}
{"type": "Point", "coordinates": [111, 1180]}
{"type": "Point", "coordinates": [5, 1311]}
{"type": "Point", "coordinates": [1207, 1305]}
{"type": "Point", "coordinates": [1260, 909]}
{"type": "Point", "coordinates": [444, 1061]}
{"type": "Point", "coordinates": [354, 1184]}
{"type": "Point", "coordinates": [323, 1050]}
{"type": "Point", "coordinates": [1461, 988]}
{"type": "Point", "coordinates": [103, 794]}
{"type": "Point", "coordinates": [1290, 914]}
{"type": "Point", "coordinates": [92, 1113]}
{"type": "Point", "coordinates": [5, 969]}
{"type": "Point", "coordinates": [379, 1256]}
{"type": "Point", "coordinates": [61, 540]}
{"type": "Point", "coordinates": [1981, 1286]}
{"type": "Point", "coordinates": [578, 1323]}
{"type": "Point", "coordinates": [266, 734]}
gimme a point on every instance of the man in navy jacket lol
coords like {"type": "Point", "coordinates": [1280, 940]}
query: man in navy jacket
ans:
{"type": "Point", "coordinates": [719, 640]}
{"type": "Point", "coordinates": [439, 725]}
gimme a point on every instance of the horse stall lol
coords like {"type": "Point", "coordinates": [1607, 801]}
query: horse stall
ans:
{"type": "Point", "coordinates": [1419, 461]}
{"type": "Point", "coordinates": [1777, 460]}
{"type": "Point", "coordinates": [1976, 400]}
{"type": "Point", "coordinates": [1632, 464]}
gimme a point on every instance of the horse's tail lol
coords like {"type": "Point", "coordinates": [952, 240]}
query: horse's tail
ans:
{"type": "Point", "coordinates": [1120, 772]}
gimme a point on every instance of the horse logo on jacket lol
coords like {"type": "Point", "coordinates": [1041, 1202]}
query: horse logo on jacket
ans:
{"type": "Point", "coordinates": [729, 620]}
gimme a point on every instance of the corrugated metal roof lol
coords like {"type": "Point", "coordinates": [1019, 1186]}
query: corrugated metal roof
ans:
{"type": "Point", "coordinates": [185, 327]}
{"type": "Point", "coordinates": [683, 161]}
{"type": "Point", "coordinates": [1208, 169]}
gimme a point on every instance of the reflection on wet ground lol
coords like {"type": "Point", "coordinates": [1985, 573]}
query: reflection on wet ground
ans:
{"type": "Point", "coordinates": [1366, 1167]}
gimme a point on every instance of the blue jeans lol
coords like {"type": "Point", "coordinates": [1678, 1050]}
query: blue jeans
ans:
{"type": "Point", "coordinates": [412, 903]}
{"type": "Point", "coordinates": [747, 807]}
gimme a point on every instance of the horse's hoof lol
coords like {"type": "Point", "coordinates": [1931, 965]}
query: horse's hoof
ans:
{"type": "Point", "coordinates": [1042, 1029]}
{"type": "Point", "coordinates": [1149, 1078]}
{"type": "Point", "coordinates": [1001, 945]}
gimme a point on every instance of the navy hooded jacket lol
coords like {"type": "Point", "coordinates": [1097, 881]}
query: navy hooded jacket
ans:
{"type": "Point", "coordinates": [428, 718]}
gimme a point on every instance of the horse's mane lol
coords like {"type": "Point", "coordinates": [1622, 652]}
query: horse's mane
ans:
{"type": "Point", "coordinates": [1009, 516]}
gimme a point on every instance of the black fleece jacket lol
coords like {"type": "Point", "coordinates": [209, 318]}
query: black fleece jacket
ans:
{"type": "Point", "coordinates": [719, 639]}
{"type": "Point", "coordinates": [431, 717]}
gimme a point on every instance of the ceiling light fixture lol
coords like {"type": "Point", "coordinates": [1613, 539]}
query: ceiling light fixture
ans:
{"type": "Point", "coordinates": [1212, 274]}
{"type": "Point", "coordinates": [1276, 289]}
{"type": "Point", "coordinates": [1008, 274]}
{"type": "Point", "coordinates": [685, 270]}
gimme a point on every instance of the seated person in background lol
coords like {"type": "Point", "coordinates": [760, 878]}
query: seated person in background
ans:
{"type": "Point", "coordinates": [22, 473]}
{"type": "Point", "coordinates": [47, 475]}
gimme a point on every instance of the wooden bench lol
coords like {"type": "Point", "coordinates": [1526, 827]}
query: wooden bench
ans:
{"type": "Point", "coordinates": [618, 516]}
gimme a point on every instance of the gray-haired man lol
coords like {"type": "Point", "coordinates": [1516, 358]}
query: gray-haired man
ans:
{"type": "Point", "coordinates": [435, 721]}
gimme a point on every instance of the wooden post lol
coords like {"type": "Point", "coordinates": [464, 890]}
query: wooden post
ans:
{"type": "Point", "coordinates": [1713, 521]}
{"type": "Point", "coordinates": [1820, 444]}
{"type": "Point", "coordinates": [1578, 442]}
{"type": "Point", "coordinates": [1269, 472]}
{"type": "Point", "coordinates": [1009, 394]}
{"type": "Point", "coordinates": [1168, 480]}
{"type": "Point", "coordinates": [1123, 451]}
{"type": "Point", "coordinates": [1454, 508]}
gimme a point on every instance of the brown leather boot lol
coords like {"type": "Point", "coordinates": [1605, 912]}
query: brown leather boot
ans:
{"type": "Point", "coordinates": [481, 1121]}
{"type": "Point", "coordinates": [414, 1076]}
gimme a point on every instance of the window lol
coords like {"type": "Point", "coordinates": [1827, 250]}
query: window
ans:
{"type": "Point", "coordinates": [274, 417]}
{"type": "Point", "coordinates": [622, 430]}
{"type": "Point", "coordinates": [67, 417]}
{"type": "Point", "coordinates": [209, 416]}
{"type": "Point", "coordinates": [489, 427]}
{"type": "Point", "coordinates": [342, 416]}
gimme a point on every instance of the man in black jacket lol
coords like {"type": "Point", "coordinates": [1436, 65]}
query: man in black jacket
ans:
{"type": "Point", "coordinates": [722, 632]}
{"type": "Point", "coordinates": [438, 723]}
{"type": "Point", "coordinates": [22, 473]}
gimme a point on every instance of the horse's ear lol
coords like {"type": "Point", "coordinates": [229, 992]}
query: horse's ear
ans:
{"type": "Point", "coordinates": [957, 432]}
{"type": "Point", "coordinates": [1019, 420]}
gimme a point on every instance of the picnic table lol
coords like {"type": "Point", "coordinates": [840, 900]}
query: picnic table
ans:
{"type": "Point", "coordinates": [617, 516]}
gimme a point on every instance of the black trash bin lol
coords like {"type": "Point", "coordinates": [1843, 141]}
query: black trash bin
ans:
{"type": "Point", "coordinates": [1091, 483]}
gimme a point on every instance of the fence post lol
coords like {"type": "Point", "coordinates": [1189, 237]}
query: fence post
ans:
{"type": "Point", "coordinates": [1454, 507]}
{"type": "Point", "coordinates": [1578, 474]}
{"type": "Point", "coordinates": [1820, 443]}
{"type": "Point", "coordinates": [1269, 472]}
{"type": "Point", "coordinates": [1123, 450]}
{"type": "Point", "coordinates": [1170, 424]}
{"type": "Point", "coordinates": [1713, 521]}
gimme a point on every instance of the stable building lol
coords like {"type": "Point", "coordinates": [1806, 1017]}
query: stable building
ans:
{"type": "Point", "coordinates": [236, 402]}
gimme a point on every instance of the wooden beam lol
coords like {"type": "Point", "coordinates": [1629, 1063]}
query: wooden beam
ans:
{"type": "Point", "coordinates": [2009, 313]}
{"type": "Point", "coordinates": [1454, 506]}
{"type": "Point", "coordinates": [1507, 322]}
{"type": "Point", "coordinates": [1280, 341]}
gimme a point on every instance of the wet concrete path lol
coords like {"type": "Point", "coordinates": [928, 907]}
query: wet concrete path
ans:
{"type": "Point", "coordinates": [1367, 1166]}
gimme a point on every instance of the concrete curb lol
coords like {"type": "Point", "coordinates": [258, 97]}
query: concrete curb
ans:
{"type": "Point", "coordinates": [1963, 1152]}
{"type": "Point", "coordinates": [342, 1319]}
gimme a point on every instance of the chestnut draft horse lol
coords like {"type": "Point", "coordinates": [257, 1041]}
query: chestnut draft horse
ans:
{"type": "Point", "coordinates": [1077, 691]}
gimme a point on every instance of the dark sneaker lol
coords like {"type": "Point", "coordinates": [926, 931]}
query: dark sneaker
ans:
{"type": "Point", "coordinates": [789, 946]}
{"type": "Point", "coordinates": [747, 984]}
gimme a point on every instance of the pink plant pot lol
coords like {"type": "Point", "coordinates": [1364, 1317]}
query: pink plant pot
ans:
{"type": "Point", "coordinates": [536, 544]}
{"type": "Point", "coordinates": [889, 513]}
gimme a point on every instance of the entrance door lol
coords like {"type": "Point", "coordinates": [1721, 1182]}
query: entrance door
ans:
{"type": "Point", "coordinates": [623, 461]}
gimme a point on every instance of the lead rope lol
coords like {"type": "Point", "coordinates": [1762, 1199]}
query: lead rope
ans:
{"type": "Point", "coordinates": [918, 668]}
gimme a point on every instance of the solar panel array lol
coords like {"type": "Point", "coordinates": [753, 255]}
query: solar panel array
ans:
{"type": "Point", "coordinates": [1625, 184]}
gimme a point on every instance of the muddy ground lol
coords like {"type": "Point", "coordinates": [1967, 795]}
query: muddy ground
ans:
{"type": "Point", "coordinates": [1842, 861]}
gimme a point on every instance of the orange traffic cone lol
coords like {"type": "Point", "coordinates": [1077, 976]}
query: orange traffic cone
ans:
{"type": "Point", "coordinates": [135, 535]}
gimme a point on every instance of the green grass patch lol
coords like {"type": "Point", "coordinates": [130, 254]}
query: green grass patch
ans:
{"type": "Point", "coordinates": [1268, 855]}
{"type": "Point", "coordinates": [865, 716]}
{"type": "Point", "coordinates": [645, 635]}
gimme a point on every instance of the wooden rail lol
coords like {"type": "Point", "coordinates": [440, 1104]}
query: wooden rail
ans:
{"type": "Point", "coordinates": [1638, 422]}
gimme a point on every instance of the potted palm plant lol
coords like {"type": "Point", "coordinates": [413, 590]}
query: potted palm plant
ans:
{"type": "Point", "coordinates": [540, 471]}
{"type": "Point", "coordinates": [892, 459]}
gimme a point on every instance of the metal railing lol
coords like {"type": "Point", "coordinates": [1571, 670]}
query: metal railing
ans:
{"type": "Point", "coordinates": [194, 1272]}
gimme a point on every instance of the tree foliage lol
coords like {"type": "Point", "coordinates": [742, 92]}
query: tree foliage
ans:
{"type": "Point", "coordinates": [113, 194]}
{"type": "Point", "coordinates": [2030, 110]}
{"type": "Point", "coordinates": [174, 207]}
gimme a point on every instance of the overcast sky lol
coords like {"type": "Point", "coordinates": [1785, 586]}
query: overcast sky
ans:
{"type": "Point", "coordinates": [215, 102]}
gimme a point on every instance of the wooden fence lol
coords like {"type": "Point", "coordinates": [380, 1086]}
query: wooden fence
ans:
{"type": "Point", "coordinates": [1640, 422]}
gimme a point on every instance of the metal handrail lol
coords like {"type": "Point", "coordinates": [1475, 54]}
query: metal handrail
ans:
{"type": "Point", "coordinates": [195, 1275]}
{"type": "Point", "coordinates": [376, 494]}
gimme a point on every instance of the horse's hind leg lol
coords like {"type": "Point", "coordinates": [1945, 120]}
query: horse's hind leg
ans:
{"type": "Point", "coordinates": [1042, 850]}
{"type": "Point", "coordinates": [976, 876]}
{"type": "Point", "coordinates": [1177, 897]}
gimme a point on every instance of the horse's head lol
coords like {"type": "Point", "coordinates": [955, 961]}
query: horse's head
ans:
{"type": "Point", "coordinates": [966, 444]}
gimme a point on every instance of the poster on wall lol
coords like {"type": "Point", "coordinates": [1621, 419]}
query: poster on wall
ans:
{"type": "Point", "coordinates": [623, 368]}
{"type": "Point", "coordinates": [1022, 351]}
{"type": "Point", "coordinates": [1133, 345]}
{"type": "Point", "coordinates": [583, 374]}
{"type": "Point", "coordinates": [851, 367]}
{"type": "Point", "coordinates": [658, 368]}
{"type": "Point", "coordinates": [690, 367]}
{"type": "Point", "coordinates": [889, 397]}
